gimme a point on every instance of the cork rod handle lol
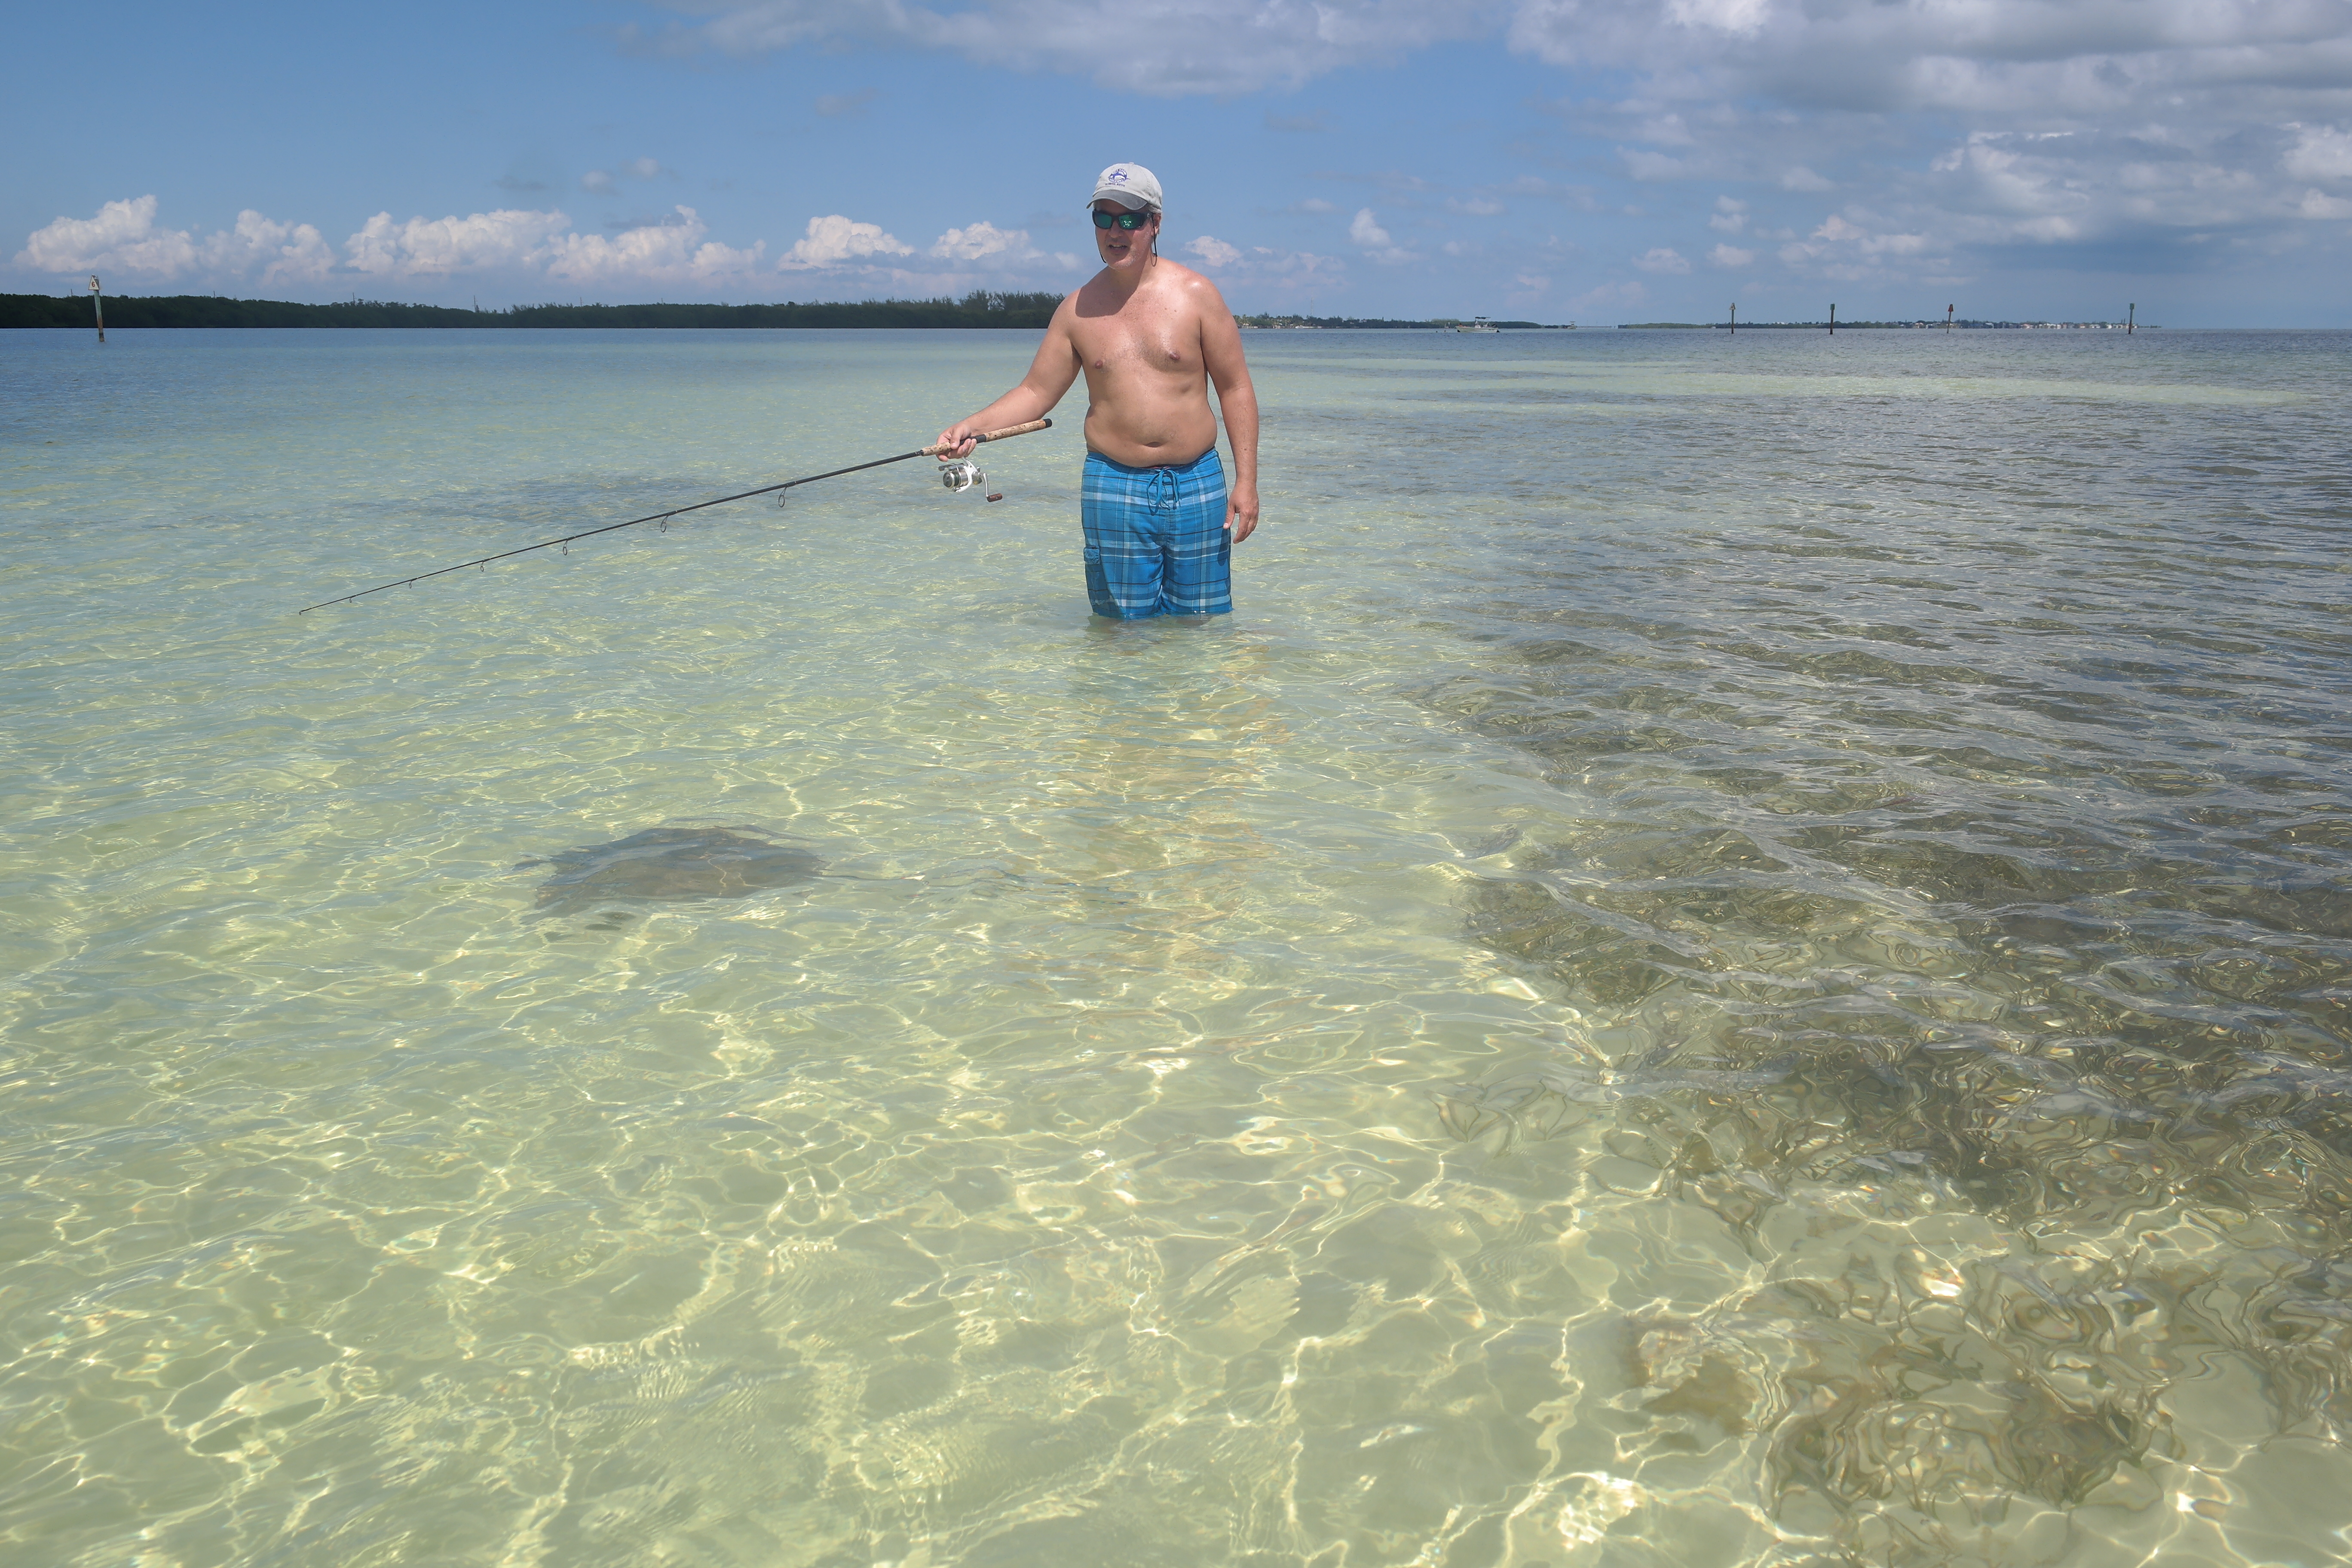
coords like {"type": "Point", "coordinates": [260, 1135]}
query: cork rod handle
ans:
{"type": "Point", "coordinates": [996, 435]}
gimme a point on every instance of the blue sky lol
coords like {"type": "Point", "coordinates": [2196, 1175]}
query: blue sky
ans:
{"type": "Point", "coordinates": [1593, 161]}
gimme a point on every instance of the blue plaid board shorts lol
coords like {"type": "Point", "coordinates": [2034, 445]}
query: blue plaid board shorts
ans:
{"type": "Point", "coordinates": [1156, 539]}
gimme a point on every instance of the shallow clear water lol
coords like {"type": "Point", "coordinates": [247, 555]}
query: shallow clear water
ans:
{"type": "Point", "coordinates": [1741, 955]}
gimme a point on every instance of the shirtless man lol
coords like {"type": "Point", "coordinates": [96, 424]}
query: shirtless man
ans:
{"type": "Point", "coordinates": [1151, 335]}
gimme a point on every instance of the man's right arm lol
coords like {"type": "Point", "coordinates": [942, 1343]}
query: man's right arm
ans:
{"type": "Point", "coordinates": [1050, 376]}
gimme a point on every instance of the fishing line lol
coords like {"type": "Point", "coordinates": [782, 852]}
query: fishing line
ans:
{"type": "Point", "coordinates": [664, 517]}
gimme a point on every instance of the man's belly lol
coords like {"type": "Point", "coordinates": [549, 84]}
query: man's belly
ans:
{"type": "Point", "coordinates": [1146, 432]}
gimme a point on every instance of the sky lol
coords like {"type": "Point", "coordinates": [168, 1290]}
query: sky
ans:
{"type": "Point", "coordinates": [1586, 160]}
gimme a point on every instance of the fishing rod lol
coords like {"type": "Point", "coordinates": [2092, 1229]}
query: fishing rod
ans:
{"type": "Point", "coordinates": [681, 511]}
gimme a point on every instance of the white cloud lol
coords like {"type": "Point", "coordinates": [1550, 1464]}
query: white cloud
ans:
{"type": "Point", "coordinates": [279, 253]}
{"type": "Point", "coordinates": [1837, 230]}
{"type": "Point", "coordinates": [834, 241]}
{"type": "Point", "coordinates": [1667, 130]}
{"type": "Point", "coordinates": [2061, 56]}
{"type": "Point", "coordinates": [510, 246]}
{"type": "Point", "coordinates": [258, 250]}
{"type": "Point", "coordinates": [438, 248]}
{"type": "Point", "coordinates": [598, 183]}
{"type": "Point", "coordinates": [1292, 274]}
{"type": "Point", "coordinates": [2142, 122]}
{"type": "Point", "coordinates": [670, 252]}
{"type": "Point", "coordinates": [1365, 229]}
{"type": "Point", "coordinates": [1265, 269]}
{"type": "Point", "coordinates": [1662, 259]}
{"type": "Point", "coordinates": [1741, 16]}
{"type": "Point", "coordinates": [2320, 152]}
{"type": "Point", "coordinates": [122, 237]}
{"type": "Point", "coordinates": [1219, 47]}
{"type": "Point", "coordinates": [1475, 207]}
{"type": "Point", "coordinates": [1926, 53]}
{"type": "Point", "coordinates": [2079, 120]}
{"type": "Point", "coordinates": [980, 239]}
{"type": "Point", "coordinates": [2055, 188]}
{"type": "Point", "coordinates": [2319, 204]}
{"type": "Point", "coordinates": [1730, 216]}
{"type": "Point", "coordinates": [1313, 204]}
{"type": "Point", "coordinates": [1730, 255]}
{"type": "Point", "coordinates": [1214, 252]}
{"type": "Point", "coordinates": [1854, 249]}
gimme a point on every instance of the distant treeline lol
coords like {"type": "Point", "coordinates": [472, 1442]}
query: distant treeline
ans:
{"type": "Point", "coordinates": [1361, 323]}
{"type": "Point", "coordinates": [979, 308]}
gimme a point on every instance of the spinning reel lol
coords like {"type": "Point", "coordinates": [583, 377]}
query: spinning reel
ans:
{"type": "Point", "coordinates": [964, 474]}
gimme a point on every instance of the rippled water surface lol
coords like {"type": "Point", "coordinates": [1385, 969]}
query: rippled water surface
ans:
{"type": "Point", "coordinates": [1741, 955]}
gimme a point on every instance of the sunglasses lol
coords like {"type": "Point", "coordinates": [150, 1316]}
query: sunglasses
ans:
{"type": "Point", "coordinates": [1129, 221]}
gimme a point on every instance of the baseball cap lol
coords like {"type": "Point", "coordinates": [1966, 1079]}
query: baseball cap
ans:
{"type": "Point", "coordinates": [1131, 185]}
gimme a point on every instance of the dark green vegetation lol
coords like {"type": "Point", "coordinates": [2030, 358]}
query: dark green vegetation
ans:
{"type": "Point", "coordinates": [979, 308]}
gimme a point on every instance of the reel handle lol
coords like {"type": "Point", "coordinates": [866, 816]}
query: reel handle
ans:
{"type": "Point", "coordinates": [993, 435]}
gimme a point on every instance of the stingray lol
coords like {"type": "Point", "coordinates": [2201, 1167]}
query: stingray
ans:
{"type": "Point", "coordinates": [671, 865]}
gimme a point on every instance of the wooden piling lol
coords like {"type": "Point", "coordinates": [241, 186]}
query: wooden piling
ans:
{"type": "Point", "coordinates": [97, 307]}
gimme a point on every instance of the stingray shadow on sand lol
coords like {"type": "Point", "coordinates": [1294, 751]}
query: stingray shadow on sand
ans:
{"type": "Point", "coordinates": [671, 865]}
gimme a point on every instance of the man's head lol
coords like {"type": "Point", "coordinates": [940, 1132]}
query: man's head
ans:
{"type": "Point", "coordinates": [1131, 185]}
{"type": "Point", "coordinates": [1126, 214]}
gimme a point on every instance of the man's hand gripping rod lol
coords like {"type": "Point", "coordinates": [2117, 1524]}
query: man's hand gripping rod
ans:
{"type": "Point", "coordinates": [931, 451]}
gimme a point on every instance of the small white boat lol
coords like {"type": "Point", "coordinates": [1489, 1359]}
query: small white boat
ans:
{"type": "Point", "coordinates": [1477, 326]}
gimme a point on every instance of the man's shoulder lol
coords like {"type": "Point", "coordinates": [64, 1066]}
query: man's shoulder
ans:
{"type": "Point", "coordinates": [1067, 313]}
{"type": "Point", "coordinates": [1179, 276]}
{"type": "Point", "coordinates": [1196, 292]}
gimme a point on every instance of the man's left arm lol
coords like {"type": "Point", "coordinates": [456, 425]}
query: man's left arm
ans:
{"type": "Point", "coordinates": [1220, 352]}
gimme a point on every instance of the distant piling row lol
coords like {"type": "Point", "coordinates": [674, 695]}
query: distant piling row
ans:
{"type": "Point", "coordinates": [2131, 319]}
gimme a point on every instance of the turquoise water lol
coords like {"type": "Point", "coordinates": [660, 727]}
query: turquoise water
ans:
{"type": "Point", "coordinates": [1740, 954]}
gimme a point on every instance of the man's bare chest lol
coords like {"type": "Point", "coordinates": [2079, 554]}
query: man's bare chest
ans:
{"type": "Point", "coordinates": [1166, 344]}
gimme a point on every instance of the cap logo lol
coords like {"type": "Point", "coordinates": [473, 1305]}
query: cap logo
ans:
{"type": "Point", "coordinates": [1117, 176]}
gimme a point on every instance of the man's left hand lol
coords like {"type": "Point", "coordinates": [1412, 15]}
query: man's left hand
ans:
{"type": "Point", "coordinates": [1241, 511]}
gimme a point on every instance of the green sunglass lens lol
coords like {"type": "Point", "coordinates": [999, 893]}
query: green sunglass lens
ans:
{"type": "Point", "coordinates": [1121, 220]}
